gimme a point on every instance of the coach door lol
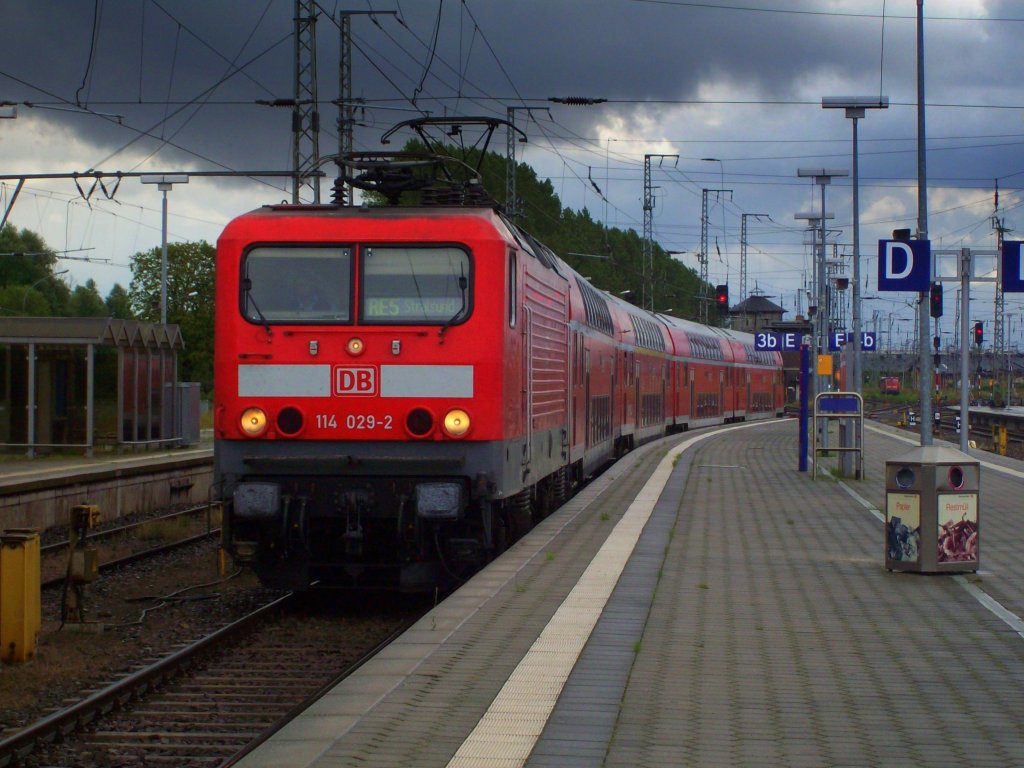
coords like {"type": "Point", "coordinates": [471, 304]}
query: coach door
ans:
{"type": "Point", "coordinates": [588, 409]}
{"type": "Point", "coordinates": [528, 393]}
{"type": "Point", "coordinates": [693, 397]}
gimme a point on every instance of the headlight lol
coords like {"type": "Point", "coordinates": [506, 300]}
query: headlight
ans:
{"type": "Point", "coordinates": [456, 422]}
{"type": "Point", "coordinates": [355, 346]}
{"type": "Point", "coordinates": [254, 422]}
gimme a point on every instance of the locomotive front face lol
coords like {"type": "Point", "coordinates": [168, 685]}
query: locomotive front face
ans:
{"type": "Point", "coordinates": [359, 399]}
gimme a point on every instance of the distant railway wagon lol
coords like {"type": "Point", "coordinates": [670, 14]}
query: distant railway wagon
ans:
{"type": "Point", "coordinates": [402, 392]}
{"type": "Point", "coordinates": [890, 385]}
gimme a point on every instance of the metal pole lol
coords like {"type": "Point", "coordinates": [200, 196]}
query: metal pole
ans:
{"type": "Point", "coordinates": [30, 429]}
{"type": "Point", "coordinates": [858, 374]}
{"type": "Point", "coordinates": [510, 164]}
{"type": "Point", "coordinates": [346, 109]}
{"type": "Point", "coordinates": [90, 398]}
{"type": "Point", "coordinates": [163, 258]}
{"type": "Point", "coordinates": [965, 345]}
{"type": "Point", "coordinates": [823, 325]}
{"type": "Point", "coordinates": [923, 316]}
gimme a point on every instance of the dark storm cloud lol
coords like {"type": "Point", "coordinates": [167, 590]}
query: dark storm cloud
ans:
{"type": "Point", "coordinates": [489, 54]}
{"type": "Point", "coordinates": [645, 57]}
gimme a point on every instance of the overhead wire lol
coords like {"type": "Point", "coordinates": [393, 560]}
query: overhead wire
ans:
{"type": "Point", "coordinates": [97, 12]}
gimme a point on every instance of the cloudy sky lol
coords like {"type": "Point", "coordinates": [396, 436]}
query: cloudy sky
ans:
{"type": "Point", "coordinates": [175, 85]}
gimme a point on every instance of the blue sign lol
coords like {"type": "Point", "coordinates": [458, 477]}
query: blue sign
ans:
{"type": "Point", "coordinates": [839, 338]}
{"type": "Point", "coordinates": [777, 342]}
{"type": "Point", "coordinates": [838, 404]}
{"type": "Point", "coordinates": [1013, 266]}
{"type": "Point", "coordinates": [904, 265]}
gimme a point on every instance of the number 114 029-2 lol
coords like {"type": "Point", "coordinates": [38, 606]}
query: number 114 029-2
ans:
{"type": "Point", "coordinates": [353, 421]}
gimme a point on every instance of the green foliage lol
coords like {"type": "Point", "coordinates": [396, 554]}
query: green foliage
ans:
{"type": "Point", "coordinates": [190, 290]}
{"type": "Point", "coordinates": [86, 301]}
{"type": "Point", "coordinates": [28, 285]}
{"type": "Point", "coordinates": [612, 258]}
{"type": "Point", "coordinates": [26, 258]}
{"type": "Point", "coordinates": [119, 303]}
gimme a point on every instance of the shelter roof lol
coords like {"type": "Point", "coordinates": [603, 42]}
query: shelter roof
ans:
{"type": "Point", "coordinates": [103, 331]}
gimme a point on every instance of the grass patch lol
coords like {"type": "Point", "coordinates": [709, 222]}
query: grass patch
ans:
{"type": "Point", "coordinates": [163, 530]}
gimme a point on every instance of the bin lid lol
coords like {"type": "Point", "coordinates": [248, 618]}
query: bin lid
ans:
{"type": "Point", "coordinates": [934, 454]}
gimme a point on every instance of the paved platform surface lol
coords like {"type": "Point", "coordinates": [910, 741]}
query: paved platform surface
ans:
{"type": "Point", "coordinates": [17, 473]}
{"type": "Point", "coordinates": [715, 609]}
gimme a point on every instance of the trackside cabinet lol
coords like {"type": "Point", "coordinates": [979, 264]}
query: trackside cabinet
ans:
{"type": "Point", "coordinates": [932, 520]}
{"type": "Point", "coordinates": [20, 613]}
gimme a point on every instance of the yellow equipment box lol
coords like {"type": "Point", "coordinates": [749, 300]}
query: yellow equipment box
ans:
{"type": "Point", "coordinates": [20, 614]}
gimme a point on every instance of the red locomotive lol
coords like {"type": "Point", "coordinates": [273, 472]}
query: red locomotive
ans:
{"type": "Point", "coordinates": [401, 392]}
{"type": "Point", "coordinates": [890, 385]}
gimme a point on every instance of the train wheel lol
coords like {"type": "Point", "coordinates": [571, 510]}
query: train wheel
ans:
{"type": "Point", "coordinates": [561, 487]}
{"type": "Point", "coordinates": [500, 533]}
{"type": "Point", "coordinates": [545, 498]}
{"type": "Point", "coordinates": [521, 513]}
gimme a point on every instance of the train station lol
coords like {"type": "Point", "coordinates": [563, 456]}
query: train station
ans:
{"type": "Point", "coordinates": [702, 603]}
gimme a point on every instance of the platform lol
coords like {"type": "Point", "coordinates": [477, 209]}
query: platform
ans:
{"type": "Point", "coordinates": [715, 609]}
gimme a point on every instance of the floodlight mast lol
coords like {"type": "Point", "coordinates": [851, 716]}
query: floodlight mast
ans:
{"type": "Point", "coordinates": [164, 182]}
{"type": "Point", "coordinates": [814, 221]}
{"type": "Point", "coordinates": [855, 107]}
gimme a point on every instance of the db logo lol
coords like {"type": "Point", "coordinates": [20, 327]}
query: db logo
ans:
{"type": "Point", "coordinates": [355, 381]}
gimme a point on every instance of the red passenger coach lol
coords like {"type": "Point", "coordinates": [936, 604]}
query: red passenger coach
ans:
{"type": "Point", "coordinates": [401, 392]}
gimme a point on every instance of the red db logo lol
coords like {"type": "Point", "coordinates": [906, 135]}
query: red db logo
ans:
{"type": "Point", "coordinates": [355, 381]}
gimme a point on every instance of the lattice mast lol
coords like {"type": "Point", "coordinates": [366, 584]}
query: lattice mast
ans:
{"type": "Point", "coordinates": [305, 115]}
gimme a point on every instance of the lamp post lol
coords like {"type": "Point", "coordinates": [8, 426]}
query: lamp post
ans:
{"type": "Point", "coordinates": [855, 107]}
{"type": "Point", "coordinates": [822, 177]}
{"type": "Point", "coordinates": [164, 182]}
{"type": "Point", "coordinates": [815, 303]}
{"type": "Point", "coordinates": [24, 299]}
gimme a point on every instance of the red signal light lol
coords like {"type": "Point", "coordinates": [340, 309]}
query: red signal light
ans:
{"type": "Point", "coordinates": [979, 333]}
{"type": "Point", "coordinates": [722, 299]}
{"type": "Point", "coordinates": [935, 300]}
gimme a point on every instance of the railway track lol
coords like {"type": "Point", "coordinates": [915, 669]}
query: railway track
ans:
{"type": "Point", "coordinates": [54, 555]}
{"type": "Point", "coordinates": [214, 699]}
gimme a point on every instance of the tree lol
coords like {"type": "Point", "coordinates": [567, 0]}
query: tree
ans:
{"type": "Point", "coordinates": [190, 289]}
{"type": "Point", "coordinates": [28, 285]}
{"type": "Point", "coordinates": [577, 238]}
{"type": "Point", "coordinates": [25, 257]}
{"type": "Point", "coordinates": [119, 303]}
{"type": "Point", "coordinates": [86, 301]}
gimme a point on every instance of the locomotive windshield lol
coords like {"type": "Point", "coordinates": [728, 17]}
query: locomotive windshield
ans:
{"type": "Point", "coordinates": [297, 285]}
{"type": "Point", "coordinates": [414, 285]}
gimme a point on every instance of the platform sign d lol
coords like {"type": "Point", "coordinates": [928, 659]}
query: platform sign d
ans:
{"type": "Point", "coordinates": [1013, 266]}
{"type": "Point", "coordinates": [904, 265]}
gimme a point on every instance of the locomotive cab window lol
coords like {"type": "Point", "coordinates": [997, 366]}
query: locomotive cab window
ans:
{"type": "Point", "coordinates": [428, 285]}
{"type": "Point", "coordinates": [317, 289]}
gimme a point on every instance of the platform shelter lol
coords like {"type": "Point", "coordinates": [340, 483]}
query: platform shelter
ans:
{"type": "Point", "coordinates": [73, 382]}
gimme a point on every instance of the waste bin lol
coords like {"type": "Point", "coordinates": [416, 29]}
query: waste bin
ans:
{"type": "Point", "coordinates": [20, 613]}
{"type": "Point", "coordinates": [932, 520]}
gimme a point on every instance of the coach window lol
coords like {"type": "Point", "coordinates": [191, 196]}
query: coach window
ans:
{"type": "Point", "coordinates": [428, 285]}
{"type": "Point", "coordinates": [297, 285]}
